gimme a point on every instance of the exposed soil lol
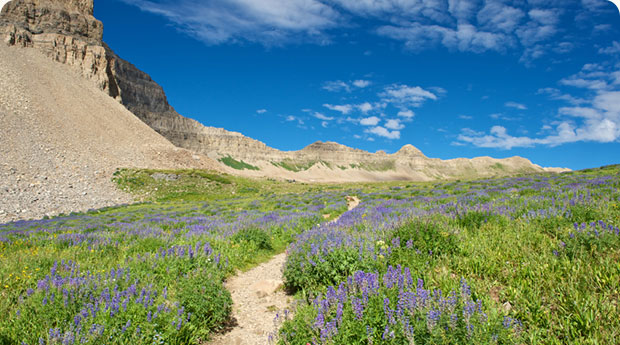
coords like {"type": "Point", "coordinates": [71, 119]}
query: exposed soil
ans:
{"type": "Point", "coordinates": [258, 299]}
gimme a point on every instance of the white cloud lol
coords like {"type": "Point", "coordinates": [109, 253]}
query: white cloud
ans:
{"type": "Point", "coordinates": [498, 138]}
{"type": "Point", "coordinates": [463, 9]}
{"type": "Point", "coordinates": [382, 132]}
{"type": "Point", "coordinates": [464, 25]}
{"type": "Point", "coordinates": [592, 76]}
{"type": "Point", "coordinates": [406, 113]}
{"type": "Point", "coordinates": [347, 86]}
{"type": "Point", "coordinates": [345, 109]}
{"type": "Point", "coordinates": [541, 27]}
{"type": "Point", "coordinates": [300, 122]}
{"type": "Point", "coordinates": [406, 95]}
{"type": "Point", "coordinates": [584, 83]}
{"type": "Point", "coordinates": [556, 94]}
{"type": "Point", "coordinates": [261, 111]}
{"type": "Point", "coordinates": [465, 37]}
{"type": "Point", "coordinates": [516, 105]}
{"type": "Point", "coordinates": [365, 107]}
{"type": "Point", "coordinates": [337, 86]}
{"type": "Point", "coordinates": [324, 124]}
{"type": "Point", "coordinates": [361, 83]}
{"type": "Point", "coordinates": [611, 50]}
{"type": "Point", "coordinates": [322, 117]}
{"type": "Point", "coordinates": [598, 123]}
{"type": "Point", "coordinates": [465, 117]}
{"type": "Point", "coordinates": [497, 16]}
{"type": "Point", "coordinates": [594, 119]}
{"type": "Point", "coordinates": [266, 21]}
{"type": "Point", "coordinates": [370, 121]}
{"type": "Point", "coordinates": [394, 124]}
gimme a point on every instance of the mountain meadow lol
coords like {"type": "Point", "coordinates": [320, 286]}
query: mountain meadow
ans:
{"type": "Point", "coordinates": [532, 259]}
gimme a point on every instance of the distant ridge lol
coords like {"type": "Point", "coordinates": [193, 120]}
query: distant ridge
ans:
{"type": "Point", "coordinates": [66, 31]}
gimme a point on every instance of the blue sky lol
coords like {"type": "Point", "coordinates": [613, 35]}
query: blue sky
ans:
{"type": "Point", "coordinates": [455, 78]}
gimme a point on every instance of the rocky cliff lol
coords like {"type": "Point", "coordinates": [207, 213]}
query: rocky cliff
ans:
{"type": "Point", "coordinates": [66, 31]}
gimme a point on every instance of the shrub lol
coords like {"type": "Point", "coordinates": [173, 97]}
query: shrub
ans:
{"type": "Point", "coordinates": [427, 236]}
{"type": "Point", "coordinates": [205, 299]}
{"type": "Point", "coordinates": [253, 235]}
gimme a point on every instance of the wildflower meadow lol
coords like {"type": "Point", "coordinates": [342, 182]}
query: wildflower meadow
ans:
{"type": "Point", "coordinates": [533, 259]}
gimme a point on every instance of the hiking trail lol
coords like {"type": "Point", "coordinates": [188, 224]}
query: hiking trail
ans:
{"type": "Point", "coordinates": [257, 298]}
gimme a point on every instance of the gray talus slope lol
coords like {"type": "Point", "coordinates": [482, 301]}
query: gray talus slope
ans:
{"type": "Point", "coordinates": [61, 139]}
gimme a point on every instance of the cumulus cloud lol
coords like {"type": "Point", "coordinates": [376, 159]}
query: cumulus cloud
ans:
{"type": "Point", "coordinates": [344, 109]}
{"type": "Point", "coordinates": [406, 95]}
{"type": "Point", "coordinates": [383, 132]}
{"type": "Point", "coordinates": [394, 124]}
{"type": "Point", "coordinates": [361, 83]}
{"type": "Point", "coordinates": [370, 121]}
{"type": "Point", "coordinates": [399, 97]}
{"type": "Point", "coordinates": [591, 120]}
{"type": "Point", "coordinates": [365, 107]}
{"type": "Point", "coordinates": [516, 105]}
{"type": "Point", "coordinates": [406, 113]}
{"type": "Point", "coordinates": [261, 111]}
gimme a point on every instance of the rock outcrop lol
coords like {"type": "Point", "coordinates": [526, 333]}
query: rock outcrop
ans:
{"type": "Point", "coordinates": [66, 31]}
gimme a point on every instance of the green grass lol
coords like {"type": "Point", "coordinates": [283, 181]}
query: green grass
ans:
{"type": "Point", "coordinates": [297, 166]}
{"type": "Point", "coordinates": [563, 287]}
{"type": "Point", "coordinates": [387, 165]}
{"type": "Point", "coordinates": [235, 164]}
{"type": "Point", "coordinates": [498, 166]}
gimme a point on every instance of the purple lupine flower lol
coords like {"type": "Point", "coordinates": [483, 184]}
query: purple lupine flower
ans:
{"type": "Point", "coordinates": [432, 318]}
{"type": "Point", "coordinates": [127, 325]}
{"type": "Point", "coordinates": [507, 323]}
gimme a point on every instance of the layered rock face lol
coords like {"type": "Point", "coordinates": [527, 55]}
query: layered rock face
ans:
{"type": "Point", "coordinates": [66, 31]}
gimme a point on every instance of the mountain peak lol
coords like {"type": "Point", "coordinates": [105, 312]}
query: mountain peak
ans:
{"type": "Point", "coordinates": [326, 146]}
{"type": "Point", "coordinates": [410, 150]}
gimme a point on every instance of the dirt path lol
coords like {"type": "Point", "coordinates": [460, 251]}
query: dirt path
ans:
{"type": "Point", "coordinates": [258, 299]}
